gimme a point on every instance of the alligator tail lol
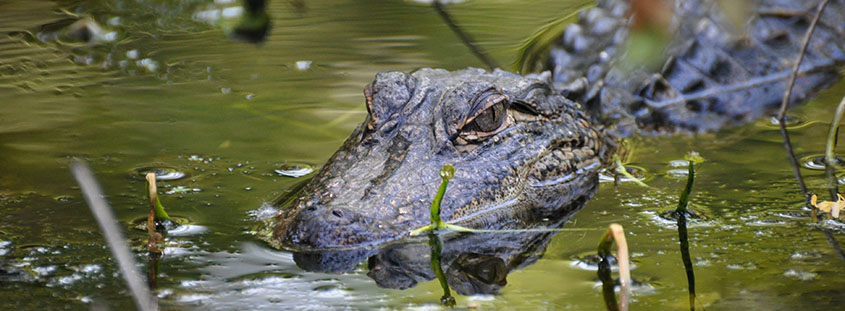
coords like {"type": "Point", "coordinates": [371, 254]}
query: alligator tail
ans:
{"type": "Point", "coordinates": [712, 76]}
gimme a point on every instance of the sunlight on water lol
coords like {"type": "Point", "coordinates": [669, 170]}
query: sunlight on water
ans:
{"type": "Point", "coordinates": [157, 86]}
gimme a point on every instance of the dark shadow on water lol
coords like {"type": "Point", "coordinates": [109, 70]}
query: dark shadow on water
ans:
{"type": "Point", "coordinates": [254, 24]}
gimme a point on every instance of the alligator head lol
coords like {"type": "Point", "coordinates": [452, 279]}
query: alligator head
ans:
{"type": "Point", "coordinates": [518, 148]}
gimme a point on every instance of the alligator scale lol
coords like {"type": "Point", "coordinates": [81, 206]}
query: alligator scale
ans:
{"type": "Point", "coordinates": [531, 147]}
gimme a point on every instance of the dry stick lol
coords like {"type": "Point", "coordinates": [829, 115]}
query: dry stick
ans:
{"type": "Point", "coordinates": [114, 236]}
{"type": "Point", "coordinates": [155, 240]}
{"type": "Point", "coordinates": [787, 144]}
{"type": "Point", "coordinates": [464, 36]}
{"type": "Point", "coordinates": [783, 106]}
{"type": "Point", "coordinates": [834, 244]}
{"type": "Point", "coordinates": [804, 45]}
{"type": "Point", "coordinates": [796, 170]}
{"type": "Point", "coordinates": [617, 234]}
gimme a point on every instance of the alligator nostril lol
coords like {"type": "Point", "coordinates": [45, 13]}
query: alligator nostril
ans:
{"type": "Point", "coordinates": [337, 213]}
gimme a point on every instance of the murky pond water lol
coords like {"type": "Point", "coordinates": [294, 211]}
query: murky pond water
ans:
{"type": "Point", "coordinates": [232, 124]}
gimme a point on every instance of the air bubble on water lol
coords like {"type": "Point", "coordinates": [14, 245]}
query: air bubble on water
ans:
{"type": "Point", "coordinates": [294, 170]}
{"type": "Point", "coordinates": [816, 162]}
{"type": "Point", "coordinates": [161, 172]}
{"type": "Point", "coordinates": [303, 65]}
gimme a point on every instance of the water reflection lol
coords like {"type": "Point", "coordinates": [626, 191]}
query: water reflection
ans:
{"type": "Point", "coordinates": [254, 23]}
{"type": "Point", "coordinates": [472, 263]}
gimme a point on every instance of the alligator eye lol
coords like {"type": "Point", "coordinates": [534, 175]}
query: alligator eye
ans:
{"type": "Point", "coordinates": [490, 118]}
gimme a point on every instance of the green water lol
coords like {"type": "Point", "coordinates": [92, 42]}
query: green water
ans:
{"type": "Point", "coordinates": [228, 114]}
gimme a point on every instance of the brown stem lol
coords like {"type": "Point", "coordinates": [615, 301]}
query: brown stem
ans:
{"type": "Point", "coordinates": [797, 64]}
{"type": "Point", "coordinates": [615, 233]}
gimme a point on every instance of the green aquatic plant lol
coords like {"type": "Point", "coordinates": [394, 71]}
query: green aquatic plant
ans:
{"type": "Point", "coordinates": [692, 158]}
{"type": "Point", "coordinates": [621, 170]}
{"type": "Point", "coordinates": [829, 156]}
{"type": "Point", "coordinates": [682, 209]}
{"type": "Point", "coordinates": [436, 249]}
{"type": "Point", "coordinates": [535, 49]}
{"type": "Point", "coordinates": [446, 174]}
{"type": "Point", "coordinates": [155, 204]}
{"type": "Point", "coordinates": [155, 228]}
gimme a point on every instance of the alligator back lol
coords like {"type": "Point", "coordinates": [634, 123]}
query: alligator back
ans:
{"type": "Point", "coordinates": [713, 75]}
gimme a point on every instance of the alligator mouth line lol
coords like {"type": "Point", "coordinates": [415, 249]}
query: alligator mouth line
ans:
{"type": "Point", "coordinates": [511, 201]}
{"type": "Point", "coordinates": [593, 167]}
{"type": "Point", "coordinates": [490, 210]}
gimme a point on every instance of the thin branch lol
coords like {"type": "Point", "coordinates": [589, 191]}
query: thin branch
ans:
{"type": "Point", "coordinates": [786, 142]}
{"type": "Point", "coordinates": [797, 64]}
{"type": "Point", "coordinates": [113, 235]}
{"type": "Point", "coordinates": [834, 244]}
{"type": "Point", "coordinates": [468, 41]}
{"type": "Point", "coordinates": [796, 168]}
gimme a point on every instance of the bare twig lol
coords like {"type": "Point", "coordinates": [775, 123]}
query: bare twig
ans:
{"type": "Point", "coordinates": [797, 64]}
{"type": "Point", "coordinates": [156, 239]}
{"type": "Point", "coordinates": [786, 142]}
{"type": "Point", "coordinates": [615, 233]}
{"type": "Point", "coordinates": [113, 235]}
{"type": "Point", "coordinates": [743, 85]}
{"type": "Point", "coordinates": [468, 41]}
{"type": "Point", "coordinates": [796, 168]}
{"type": "Point", "coordinates": [834, 244]}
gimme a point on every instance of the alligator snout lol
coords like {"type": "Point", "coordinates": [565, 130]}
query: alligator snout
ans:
{"type": "Point", "coordinates": [333, 227]}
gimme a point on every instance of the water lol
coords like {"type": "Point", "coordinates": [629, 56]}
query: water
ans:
{"type": "Point", "coordinates": [164, 88]}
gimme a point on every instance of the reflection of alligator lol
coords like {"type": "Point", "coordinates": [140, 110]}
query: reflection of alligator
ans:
{"type": "Point", "coordinates": [520, 146]}
{"type": "Point", "coordinates": [472, 263]}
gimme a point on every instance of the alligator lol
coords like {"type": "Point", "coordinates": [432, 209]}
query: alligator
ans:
{"type": "Point", "coordinates": [531, 145]}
